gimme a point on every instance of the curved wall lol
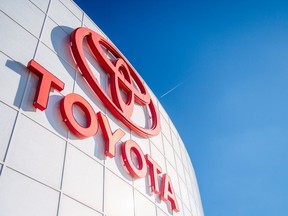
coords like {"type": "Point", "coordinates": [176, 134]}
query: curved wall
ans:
{"type": "Point", "coordinates": [45, 168]}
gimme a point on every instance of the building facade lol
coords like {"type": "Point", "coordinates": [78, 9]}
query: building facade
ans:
{"type": "Point", "coordinates": [80, 132]}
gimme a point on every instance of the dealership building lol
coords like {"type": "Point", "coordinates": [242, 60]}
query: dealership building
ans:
{"type": "Point", "coordinates": [81, 133]}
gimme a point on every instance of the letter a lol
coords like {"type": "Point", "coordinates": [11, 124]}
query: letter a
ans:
{"type": "Point", "coordinates": [167, 193]}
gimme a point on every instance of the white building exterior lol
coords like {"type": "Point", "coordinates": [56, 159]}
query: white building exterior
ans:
{"type": "Point", "coordinates": [45, 170]}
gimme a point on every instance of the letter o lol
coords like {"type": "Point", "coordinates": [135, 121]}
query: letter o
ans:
{"type": "Point", "coordinates": [66, 109]}
{"type": "Point", "coordinates": [126, 149]}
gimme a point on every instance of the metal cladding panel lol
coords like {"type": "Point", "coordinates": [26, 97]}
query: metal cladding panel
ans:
{"type": "Point", "coordinates": [45, 169]}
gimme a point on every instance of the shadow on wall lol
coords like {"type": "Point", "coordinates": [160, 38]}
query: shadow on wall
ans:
{"type": "Point", "coordinates": [21, 70]}
{"type": "Point", "coordinates": [25, 98]}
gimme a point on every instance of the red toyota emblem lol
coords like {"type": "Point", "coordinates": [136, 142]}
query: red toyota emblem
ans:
{"type": "Point", "coordinates": [122, 77]}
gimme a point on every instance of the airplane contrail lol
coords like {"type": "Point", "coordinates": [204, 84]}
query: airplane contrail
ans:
{"type": "Point", "coordinates": [179, 84]}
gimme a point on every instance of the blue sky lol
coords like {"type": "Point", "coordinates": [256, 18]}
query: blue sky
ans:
{"type": "Point", "coordinates": [231, 108]}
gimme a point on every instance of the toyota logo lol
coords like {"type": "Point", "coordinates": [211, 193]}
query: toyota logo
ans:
{"type": "Point", "coordinates": [122, 78]}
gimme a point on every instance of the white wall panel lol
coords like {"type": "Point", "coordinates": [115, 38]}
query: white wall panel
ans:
{"type": "Point", "coordinates": [143, 185]}
{"type": "Point", "coordinates": [70, 207]}
{"type": "Point", "coordinates": [186, 211]}
{"type": "Point", "coordinates": [118, 196]}
{"type": "Point", "coordinates": [176, 144]}
{"type": "Point", "coordinates": [17, 10]}
{"type": "Point", "coordinates": [21, 195]}
{"type": "Point", "coordinates": [165, 129]}
{"type": "Point", "coordinates": [73, 8]}
{"type": "Point", "coordinates": [188, 182]}
{"type": "Point", "coordinates": [143, 206]}
{"type": "Point", "coordinates": [7, 116]}
{"type": "Point", "coordinates": [93, 146]}
{"type": "Point", "coordinates": [19, 44]}
{"type": "Point", "coordinates": [83, 178]}
{"type": "Point", "coordinates": [174, 130]}
{"type": "Point", "coordinates": [192, 204]}
{"type": "Point", "coordinates": [13, 78]}
{"type": "Point", "coordinates": [169, 152]}
{"type": "Point", "coordinates": [41, 4]}
{"type": "Point", "coordinates": [62, 15]}
{"type": "Point", "coordinates": [160, 212]}
{"type": "Point", "coordinates": [158, 142]}
{"type": "Point", "coordinates": [180, 168]}
{"type": "Point", "coordinates": [185, 159]}
{"type": "Point", "coordinates": [36, 152]}
{"type": "Point", "coordinates": [163, 112]}
{"type": "Point", "coordinates": [54, 124]}
{"type": "Point", "coordinates": [57, 39]}
{"type": "Point", "coordinates": [184, 192]}
{"type": "Point", "coordinates": [158, 157]}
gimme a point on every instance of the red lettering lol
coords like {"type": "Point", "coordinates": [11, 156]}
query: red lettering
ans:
{"type": "Point", "coordinates": [167, 193]}
{"type": "Point", "coordinates": [66, 109]}
{"type": "Point", "coordinates": [45, 84]}
{"type": "Point", "coordinates": [111, 139]}
{"type": "Point", "coordinates": [154, 170]}
{"type": "Point", "coordinates": [129, 149]}
{"type": "Point", "coordinates": [126, 149]}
